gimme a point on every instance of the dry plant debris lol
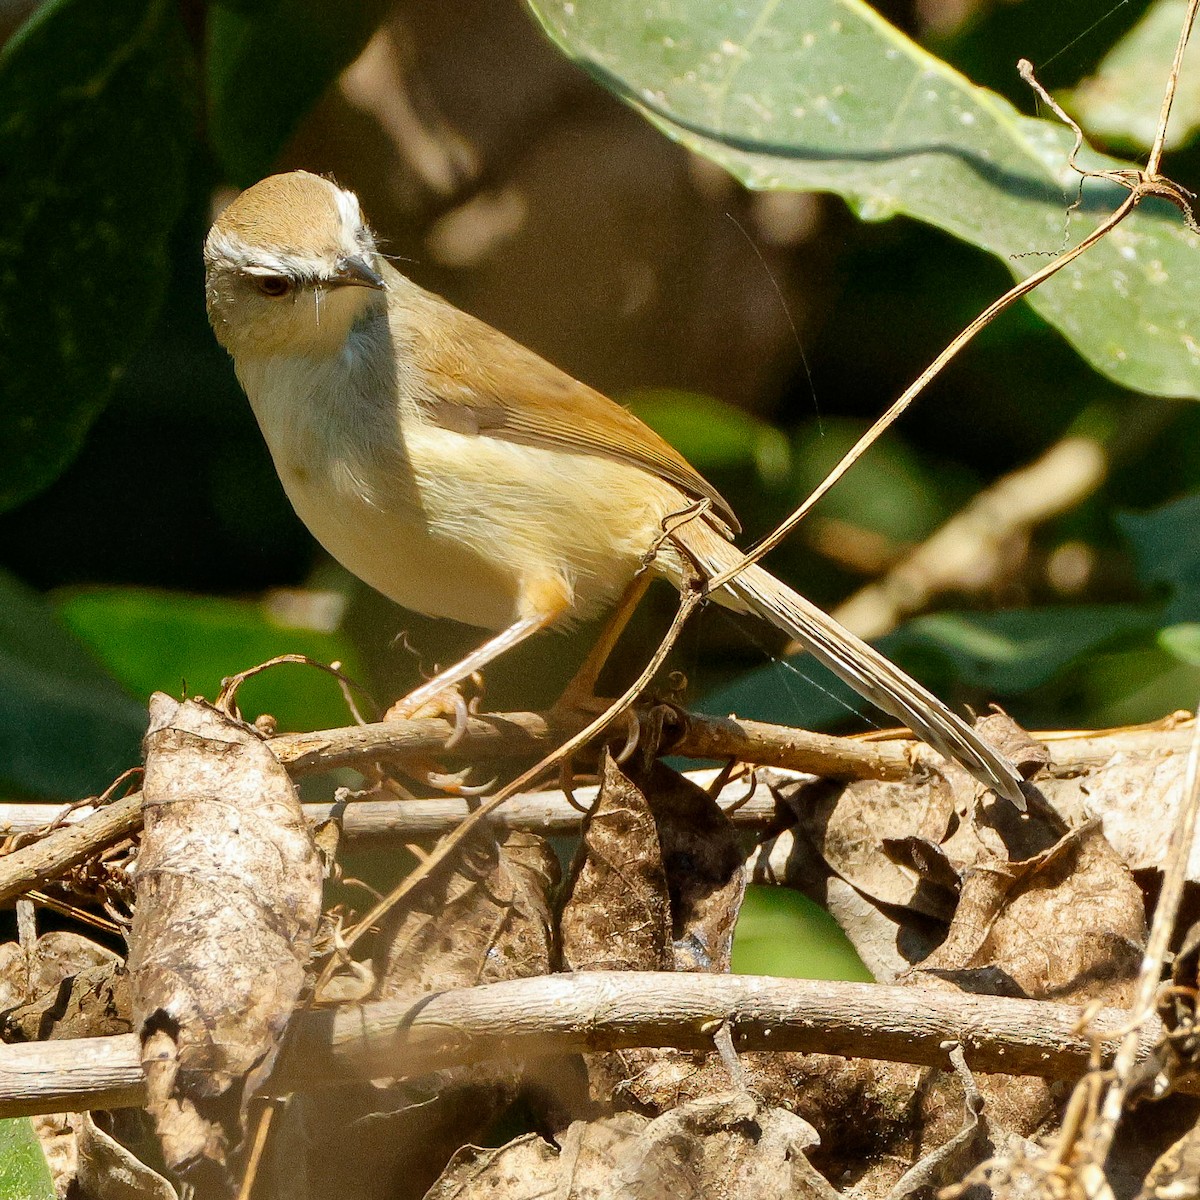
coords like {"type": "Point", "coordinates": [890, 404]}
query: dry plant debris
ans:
{"type": "Point", "coordinates": [481, 917]}
{"type": "Point", "coordinates": [952, 895]}
{"type": "Point", "coordinates": [228, 899]}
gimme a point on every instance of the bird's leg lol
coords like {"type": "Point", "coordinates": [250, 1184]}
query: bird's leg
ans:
{"type": "Point", "coordinates": [444, 681]}
{"type": "Point", "coordinates": [439, 697]}
{"type": "Point", "coordinates": [580, 693]}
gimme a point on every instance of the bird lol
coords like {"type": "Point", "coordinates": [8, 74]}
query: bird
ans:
{"type": "Point", "coordinates": [463, 476]}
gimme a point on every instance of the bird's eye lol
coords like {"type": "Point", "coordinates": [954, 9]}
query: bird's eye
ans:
{"type": "Point", "coordinates": [274, 285]}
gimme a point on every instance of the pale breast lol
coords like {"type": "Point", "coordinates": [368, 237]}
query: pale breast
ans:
{"type": "Point", "coordinates": [445, 523]}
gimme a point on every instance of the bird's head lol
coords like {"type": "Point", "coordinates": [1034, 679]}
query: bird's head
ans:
{"type": "Point", "coordinates": [290, 266]}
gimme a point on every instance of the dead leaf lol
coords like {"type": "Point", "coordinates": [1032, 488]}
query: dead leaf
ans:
{"type": "Point", "coordinates": [617, 916]}
{"type": "Point", "coordinates": [483, 917]}
{"type": "Point", "coordinates": [55, 956]}
{"type": "Point", "coordinates": [657, 884]}
{"type": "Point", "coordinates": [110, 1171]}
{"type": "Point", "coordinates": [94, 1002]}
{"type": "Point", "coordinates": [724, 1147]}
{"type": "Point", "coordinates": [523, 1168]}
{"type": "Point", "coordinates": [228, 899]}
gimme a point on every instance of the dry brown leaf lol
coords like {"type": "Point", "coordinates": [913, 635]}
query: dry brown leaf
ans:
{"type": "Point", "coordinates": [1036, 911]}
{"type": "Point", "coordinates": [523, 1168]}
{"type": "Point", "coordinates": [69, 986]}
{"type": "Point", "coordinates": [617, 916]}
{"type": "Point", "coordinates": [722, 1147]}
{"type": "Point", "coordinates": [56, 1136]}
{"type": "Point", "coordinates": [656, 885]}
{"type": "Point", "coordinates": [228, 898]}
{"type": "Point", "coordinates": [1176, 1174]}
{"type": "Point", "coordinates": [483, 917]}
{"type": "Point", "coordinates": [91, 1003]}
{"type": "Point", "coordinates": [26, 974]}
{"type": "Point", "coordinates": [110, 1171]}
{"type": "Point", "coordinates": [1067, 925]}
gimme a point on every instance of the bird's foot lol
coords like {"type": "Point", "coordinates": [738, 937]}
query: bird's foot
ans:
{"type": "Point", "coordinates": [577, 707]}
{"type": "Point", "coordinates": [448, 703]}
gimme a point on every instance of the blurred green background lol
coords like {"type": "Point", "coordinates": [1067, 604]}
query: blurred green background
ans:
{"type": "Point", "coordinates": [145, 540]}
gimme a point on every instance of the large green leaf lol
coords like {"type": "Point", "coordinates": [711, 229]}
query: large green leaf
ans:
{"type": "Point", "coordinates": [24, 1174]}
{"type": "Point", "coordinates": [1117, 104]}
{"type": "Point", "coordinates": [824, 95]}
{"type": "Point", "coordinates": [267, 62]}
{"type": "Point", "coordinates": [66, 727]}
{"type": "Point", "coordinates": [96, 104]}
{"type": "Point", "coordinates": [159, 641]}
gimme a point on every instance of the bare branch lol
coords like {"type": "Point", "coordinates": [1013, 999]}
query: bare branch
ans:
{"type": "Point", "coordinates": [32, 866]}
{"type": "Point", "coordinates": [565, 1014]}
{"type": "Point", "coordinates": [498, 735]}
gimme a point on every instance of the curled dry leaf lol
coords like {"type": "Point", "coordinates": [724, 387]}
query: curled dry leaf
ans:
{"type": "Point", "coordinates": [1066, 925]}
{"type": "Point", "coordinates": [1034, 910]}
{"type": "Point", "coordinates": [94, 1002]}
{"type": "Point", "coordinates": [617, 915]}
{"type": "Point", "coordinates": [1176, 1173]}
{"type": "Point", "coordinates": [68, 986]}
{"type": "Point", "coordinates": [110, 1171]}
{"type": "Point", "coordinates": [484, 916]}
{"type": "Point", "coordinates": [56, 1136]}
{"type": "Point", "coordinates": [228, 898]}
{"type": "Point", "coordinates": [657, 885]}
{"type": "Point", "coordinates": [658, 880]}
{"type": "Point", "coordinates": [26, 974]}
{"type": "Point", "coordinates": [723, 1147]}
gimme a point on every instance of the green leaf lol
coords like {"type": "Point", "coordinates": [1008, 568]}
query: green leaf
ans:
{"type": "Point", "coordinates": [66, 727]}
{"type": "Point", "coordinates": [1011, 652]}
{"type": "Point", "coordinates": [24, 1174]}
{"type": "Point", "coordinates": [1117, 103]}
{"type": "Point", "coordinates": [1166, 543]}
{"type": "Point", "coordinates": [267, 63]}
{"type": "Point", "coordinates": [96, 104]}
{"type": "Point", "coordinates": [1183, 642]}
{"type": "Point", "coordinates": [781, 932]}
{"type": "Point", "coordinates": [158, 641]}
{"type": "Point", "coordinates": [1139, 682]}
{"type": "Point", "coordinates": [713, 435]}
{"type": "Point", "coordinates": [824, 95]}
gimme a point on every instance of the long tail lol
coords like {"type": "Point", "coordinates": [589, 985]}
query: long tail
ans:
{"type": "Point", "coordinates": [856, 663]}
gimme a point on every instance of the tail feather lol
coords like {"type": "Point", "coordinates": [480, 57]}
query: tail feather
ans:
{"type": "Point", "coordinates": [850, 658]}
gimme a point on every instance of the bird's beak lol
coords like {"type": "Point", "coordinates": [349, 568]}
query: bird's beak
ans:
{"type": "Point", "coordinates": [355, 271]}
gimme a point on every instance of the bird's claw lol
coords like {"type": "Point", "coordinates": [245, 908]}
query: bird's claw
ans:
{"type": "Point", "coordinates": [450, 702]}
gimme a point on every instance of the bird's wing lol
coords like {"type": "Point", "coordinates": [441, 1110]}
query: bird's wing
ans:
{"type": "Point", "coordinates": [480, 381]}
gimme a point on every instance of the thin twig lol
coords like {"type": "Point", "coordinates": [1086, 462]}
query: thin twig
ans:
{"type": "Point", "coordinates": [35, 865]}
{"type": "Point", "coordinates": [868, 439]}
{"type": "Point", "coordinates": [1075, 752]}
{"type": "Point", "coordinates": [1164, 114]}
{"type": "Point", "coordinates": [502, 735]}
